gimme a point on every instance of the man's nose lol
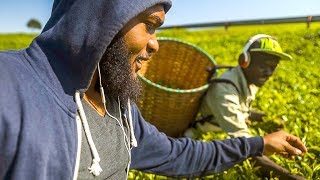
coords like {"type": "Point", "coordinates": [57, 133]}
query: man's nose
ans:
{"type": "Point", "coordinates": [153, 45]}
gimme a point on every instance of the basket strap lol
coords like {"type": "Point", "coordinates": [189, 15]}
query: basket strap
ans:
{"type": "Point", "coordinates": [213, 70]}
{"type": "Point", "coordinates": [218, 80]}
{"type": "Point", "coordinates": [211, 116]}
{"type": "Point", "coordinates": [203, 120]}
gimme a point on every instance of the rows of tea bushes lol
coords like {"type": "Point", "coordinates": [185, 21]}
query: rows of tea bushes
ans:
{"type": "Point", "coordinates": [15, 41]}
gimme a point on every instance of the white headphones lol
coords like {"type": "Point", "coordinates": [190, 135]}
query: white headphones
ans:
{"type": "Point", "coordinates": [244, 59]}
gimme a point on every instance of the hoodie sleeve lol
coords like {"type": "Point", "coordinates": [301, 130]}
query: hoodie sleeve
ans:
{"type": "Point", "coordinates": [10, 116]}
{"type": "Point", "coordinates": [159, 154]}
{"type": "Point", "coordinates": [8, 144]}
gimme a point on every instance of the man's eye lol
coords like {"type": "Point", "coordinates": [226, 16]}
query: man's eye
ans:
{"type": "Point", "coordinates": [149, 25]}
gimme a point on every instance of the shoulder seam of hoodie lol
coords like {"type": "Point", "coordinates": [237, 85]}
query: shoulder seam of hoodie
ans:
{"type": "Point", "coordinates": [51, 91]}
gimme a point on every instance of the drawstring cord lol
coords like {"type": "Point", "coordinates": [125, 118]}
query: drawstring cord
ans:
{"type": "Point", "coordinates": [79, 133]}
{"type": "Point", "coordinates": [95, 168]}
{"type": "Point", "coordinates": [133, 139]}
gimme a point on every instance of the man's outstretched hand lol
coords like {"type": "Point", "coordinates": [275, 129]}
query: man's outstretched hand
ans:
{"type": "Point", "coordinates": [283, 143]}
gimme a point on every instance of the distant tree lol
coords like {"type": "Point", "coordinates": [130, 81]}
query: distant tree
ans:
{"type": "Point", "coordinates": [34, 24]}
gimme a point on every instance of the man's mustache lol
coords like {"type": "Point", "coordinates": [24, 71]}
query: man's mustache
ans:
{"type": "Point", "coordinates": [144, 57]}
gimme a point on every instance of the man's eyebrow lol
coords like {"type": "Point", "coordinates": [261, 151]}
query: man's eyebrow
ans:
{"type": "Point", "coordinates": [157, 18]}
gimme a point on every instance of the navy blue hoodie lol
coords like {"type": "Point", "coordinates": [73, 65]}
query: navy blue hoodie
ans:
{"type": "Point", "coordinates": [38, 133]}
{"type": "Point", "coordinates": [38, 136]}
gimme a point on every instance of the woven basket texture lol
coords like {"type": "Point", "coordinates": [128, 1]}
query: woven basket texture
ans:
{"type": "Point", "coordinates": [174, 79]}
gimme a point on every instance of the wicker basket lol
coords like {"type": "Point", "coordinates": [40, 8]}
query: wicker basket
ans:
{"type": "Point", "coordinates": [174, 80]}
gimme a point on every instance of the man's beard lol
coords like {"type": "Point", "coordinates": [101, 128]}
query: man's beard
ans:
{"type": "Point", "coordinates": [116, 74]}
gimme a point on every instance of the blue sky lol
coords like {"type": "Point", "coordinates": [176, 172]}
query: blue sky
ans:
{"type": "Point", "coordinates": [14, 14]}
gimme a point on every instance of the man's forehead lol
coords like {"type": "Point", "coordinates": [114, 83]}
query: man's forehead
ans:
{"type": "Point", "coordinates": [269, 61]}
{"type": "Point", "coordinates": [264, 55]}
{"type": "Point", "coordinates": [264, 58]}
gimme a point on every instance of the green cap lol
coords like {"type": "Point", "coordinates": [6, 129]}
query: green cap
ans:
{"type": "Point", "coordinates": [269, 46]}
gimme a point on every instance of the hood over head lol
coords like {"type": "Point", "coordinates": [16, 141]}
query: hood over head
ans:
{"type": "Point", "coordinates": [66, 53]}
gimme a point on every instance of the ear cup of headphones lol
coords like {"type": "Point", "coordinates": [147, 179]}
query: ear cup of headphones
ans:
{"type": "Point", "coordinates": [244, 59]}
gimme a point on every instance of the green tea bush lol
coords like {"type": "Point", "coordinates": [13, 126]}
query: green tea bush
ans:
{"type": "Point", "coordinates": [15, 41]}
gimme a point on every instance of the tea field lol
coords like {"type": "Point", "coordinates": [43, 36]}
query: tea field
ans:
{"type": "Point", "coordinates": [290, 96]}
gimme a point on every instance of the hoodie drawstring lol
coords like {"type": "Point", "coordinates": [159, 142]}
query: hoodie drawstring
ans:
{"type": "Point", "coordinates": [133, 139]}
{"type": "Point", "coordinates": [95, 168]}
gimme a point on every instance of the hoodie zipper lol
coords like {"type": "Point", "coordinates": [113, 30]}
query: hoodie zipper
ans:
{"type": "Point", "coordinates": [79, 132]}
